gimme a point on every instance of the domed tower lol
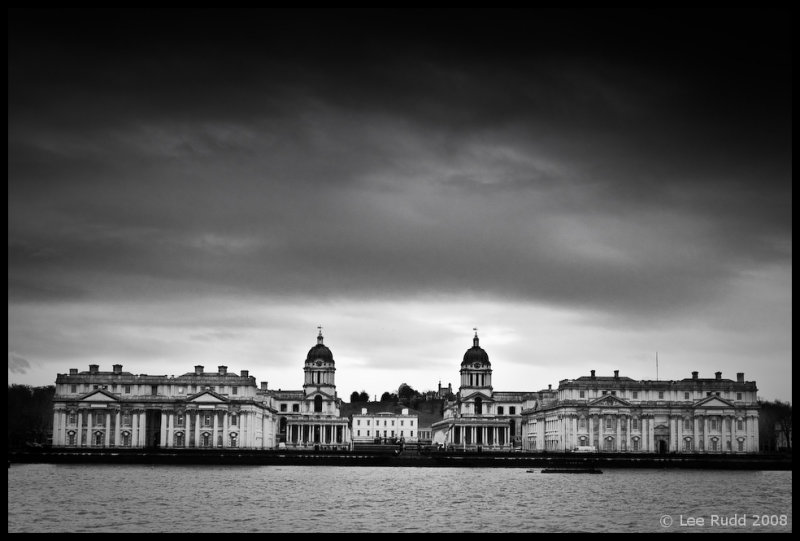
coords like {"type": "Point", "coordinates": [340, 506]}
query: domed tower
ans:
{"type": "Point", "coordinates": [476, 370]}
{"type": "Point", "coordinates": [319, 385]}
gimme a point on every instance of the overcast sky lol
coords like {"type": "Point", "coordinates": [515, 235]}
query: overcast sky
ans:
{"type": "Point", "coordinates": [585, 188]}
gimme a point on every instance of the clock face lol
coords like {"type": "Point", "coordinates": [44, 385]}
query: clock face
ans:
{"type": "Point", "coordinates": [477, 365]}
{"type": "Point", "coordinates": [319, 363]}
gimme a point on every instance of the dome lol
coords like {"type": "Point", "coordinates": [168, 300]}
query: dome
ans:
{"type": "Point", "coordinates": [475, 354]}
{"type": "Point", "coordinates": [320, 351]}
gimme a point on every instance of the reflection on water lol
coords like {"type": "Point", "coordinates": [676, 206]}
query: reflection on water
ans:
{"type": "Point", "coordinates": [140, 498]}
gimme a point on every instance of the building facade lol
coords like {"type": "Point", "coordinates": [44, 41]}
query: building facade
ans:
{"type": "Point", "coordinates": [123, 410]}
{"type": "Point", "coordinates": [619, 414]}
{"type": "Point", "coordinates": [480, 417]}
{"type": "Point", "coordinates": [310, 418]}
{"type": "Point", "coordinates": [386, 425]}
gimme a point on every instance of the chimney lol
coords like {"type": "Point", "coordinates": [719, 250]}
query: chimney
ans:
{"type": "Point", "coordinates": [549, 386]}
{"type": "Point", "coordinates": [73, 371]}
{"type": "Point", "coordinates": [245, 373]}
{"type": "Point", "coordinates": [94, 368]}
{"type": "Point", "coordinates": [740, 377]}
{"type": "Point", "coordinates": [616, 374]}
{"type": "Point", "coordinates": [263, 385]}
{"type": "Point", "coordinates": [405, 411]}
{"type": "Point", "coordinates": [118, 369]}
{"type": "Point", "coordinates": [694, 375]}
{"type": "Point", "coordinates": [592, 372]}
{"type": "Point", "coordinates": [223, 370]}
{"type": "Point", "coordinates": [198, 370]}
{"type": "Point", "coordinates": [718, 374]}
{"type": "Point", "coordinates": [363, 411]}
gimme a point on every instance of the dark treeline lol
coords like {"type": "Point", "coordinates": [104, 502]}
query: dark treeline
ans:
{"type": "Point", "coordinates": [775, 425]}
{"type": "Point", "coordinates": [30, 415]}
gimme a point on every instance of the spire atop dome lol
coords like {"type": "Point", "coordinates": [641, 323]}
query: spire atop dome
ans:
{"type": "Point", "coordinates": [475, 340]}
{"type": "Point", "coordinates": [319, 336]}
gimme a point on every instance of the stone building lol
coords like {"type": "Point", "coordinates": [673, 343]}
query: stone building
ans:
{"type": "Point", "coordinates": [310, 417]}
{"type": "Point", "coordinates": [124, 410]}
{"type": "Point", "coordinates": [619, 414]}
{"type": "Point", "coordinates": [481, 417]}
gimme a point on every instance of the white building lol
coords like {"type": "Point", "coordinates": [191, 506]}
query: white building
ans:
{"type": "Point", "coordinates": [367, 427]}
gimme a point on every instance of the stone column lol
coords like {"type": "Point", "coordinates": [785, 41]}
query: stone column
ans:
{"type": "Point", "coordinates": [225, 427]}
{"type": "Point", "coordinates": [143, 428]}
{"type": "Point", "coordinates": [162, 437]}
{"type": "Point", "coordinates": [134, 429]}
{"type": "Point", "coordinates": [214, 434]}
{"type": "Point", "coordinates": [171, 417]}
{"type": "Point", "coordinates": [590, 420]}
{"type": "Point", "coordinates": [117, 429]}
{"type": "Point", "coordinates": [107, 438]}
{"type": "Point", "coordinates": [618, 421]}
{"type": "Point", "coordinates": [705, 433]}
{"type": "Point", "coordinates": [196, 428]}
{"type": "Point", "coordinates": [89, 428]}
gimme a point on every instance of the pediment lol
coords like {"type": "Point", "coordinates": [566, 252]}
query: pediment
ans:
{"type": "Point", "coordinates": [207, 397]}
{"type": "Point", "coordinates": [610, 401]}
{"type": "Point", "coordinates": [325, 396]}
{"type": "Point", "coordinates": [714, 402]}
{"type": "Point", "coordinates": [472, 396]}
{"type": "Point", "coordinates": [99, 395]}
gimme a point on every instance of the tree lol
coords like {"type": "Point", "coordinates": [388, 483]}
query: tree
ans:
{"type": "Point", "coordinates": [354, 397]}
{"type": "Point", "coordinates": [30, 415]}
{"type": "Point", "coordinates": [774, 425]}
{"type": "Point", "coordinates": [388, 397]}
{"type": "Point", "coordinates": [363, 396]}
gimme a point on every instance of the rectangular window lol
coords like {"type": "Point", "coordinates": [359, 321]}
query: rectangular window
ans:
{"type": "Point", "coordinates": [605, 393]}
{"type": "Point", "coordinates": [609, 422]}
{"type": "Point", "coordinates": [635, 445]}
{"type": "Point", "coordinates": [358, 432]}
{"type": "Point", "coordinates": [411, 423]}
{"type": "Point", "coordinates": [95, 387]}
{"type": "Point", "coordinates": [283, 407]}
{"type": "Point", "coordinates": [73, 419]}
{"type": "Point", "coordinates": [512, 410]}
{"type": "Point", "coordinates": [635, 394]}
{"type": "Point", "coordinates": [401, 423]}
{"type": "Point", "coordinates": [367, 423]}
{"type": "Point", "coordinates": [717, 393]}
{"type": "Point", "coordinates": [114, 387]}
{"type": "Point", "coordinates": [412, 433]}
{"type": "Point", "coordinates": [358, 422]}
{"type": "Point", "coordinates": [234, 390]}
{"type": "Point", "coordinates": [295, 408]}
{"type": "Point", "coordinates": [613, 393]}
{"type": "Point", "coordinates": [634, 424]}
{"type": "Point", "coordinates": [687, 424]}
{"type": "Point", "coordinates": [741, 445]}
{"type": "Point", "coordinates": [583, 394]}
{"type": "Point", "coordinates": [85, 387]}
{"type": "Point", "coordinates": [686, 396]}
{"type": "Point", "coordinates": [179, 420]}
{"type": "Point", "coordinates": [401, 433]}
{"type": "Point", "coordinates": [499, 410]}
{"type": "Point", "coordinates": [234, 419]}
{"type": "Point", "coordinates": [708, 393]}
{"type": "Point", "coordinates": [738, 396]}
{"type": "Point", "coordinates": [154, 390]}
{"type": "Point", "coordinates": [180, 390]}
{"type": "Point", "coordinates": [367, 432]}
{"type": "Point", "coordinates": [739, 424]}
{"type": "Point", "coordinates": [73, 388]}
{"type": "Point", "coordinates": [207, 419]}
{"type": "Point", "coordinates": [687, 445]}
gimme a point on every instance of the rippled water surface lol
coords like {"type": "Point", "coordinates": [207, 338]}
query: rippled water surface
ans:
{"type": "Point", "coordinates": [100, 498]}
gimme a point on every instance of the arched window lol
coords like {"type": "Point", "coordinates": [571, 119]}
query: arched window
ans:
{"type": "Point", "coordinates": [206, 439]}
{"type": "Point", "coordinates": [179, 439]}
{"type": "Point", "coordinates": [98, 438]}
{"type": "Point", "coordinates": [71, 438]}
{"type": "Point", "coordinates": [233, 440]}
{"type": "Point", "coordinates": [126, 439]}
{"type": "Point", "coordinates": [478, 406]}
{"type": "Point", "coordinates": [318, 404]}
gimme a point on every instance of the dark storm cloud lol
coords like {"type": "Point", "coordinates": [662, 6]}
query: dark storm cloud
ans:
{"type": "Point", "coordinates": [17, 364]}
{"type": "Point", "coordinates": [526, 155]}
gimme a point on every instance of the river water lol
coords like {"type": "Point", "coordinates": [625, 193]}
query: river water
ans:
{"type": "Point", "coordinates": [144, 498]}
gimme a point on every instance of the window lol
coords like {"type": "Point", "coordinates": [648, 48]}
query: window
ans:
{"type": "Point", "coordinates": [180, 390]}
{"type": "Point", "coordinates": [636, 444]}
{"type": "Point", "coordinates": [605, 393]}
{"type": "Point", "coordinates": [717, 393]}
{"type": "Point", "coordinates": [661, 395]}
{"type": "Point", "coordinates": [207, 419]}
{"type": "Point", "coordinates": [283, 407]}
{"type": "Point", "coordinates": [154, 390]}
{"type": "Point", "coordinates": [179, 419]}
{"type": "Point", "coordinates": [582, 422]}
{"type": "Point", "coordinates": [713, 423]}
{"type": "Point", "coordinates": [358, 432]}
{"type": "Point", "coordinates": [318, 404]}
{"type": "Point", "coordinates": [99, 419]}
{"type": "Point", "coordinates": [713, 445]}
{"type": "Point", "coordinates": [392, 422]}
{"type": "Point", "coordinates": [635, 424]}
{"type": "Point", "coordinates": [687, 424]}
{"type": "Point", "coordinates": [358, 422]}
{"type": "Point", "coordinates": [411, 423]}
{"type": "Point", "coordinates": [73, 419]}
{"type": "Point", "coordinates": [401, 433]}
{"type": "Point", "coordinates": [126, 418]}
{"type": "Point", "coordinates": [687, 445]}
{"type": "Point", "coordinates": [367, 432]}
{"type": "Point", "coordinates": [499, 410]}
{"type": "Point", "coordinates": [234, 419]}
{"type": "Point", "coordinates": [740, 445]}
{"type": "Point", "coordinates": [85, 387]}
{"type": "Point", "coordinates": [686, 396]}
{"type": "Point", "coordinates": [95, 387]}
{"type": "Point", "coordinates": [71, 439]}
{"type": "Point", "coordinates": [73, 388]}
{"type": "Point", "coordinates": [738, 396]}
{"type": "Point", "coordinates": [401, 422]}
{"type": "Point", "coordinates": [512, 410]}
{"type": "Point", "coordinates": [583, 394]}
{"type": "Point", "coordinates": [635, 394]}
{"type": "Point", "coordinates": [295, 408]}
{"type": "Point", "coordinates": [412, 433]}
{"type": "Point", "coordinates": [613, 393]}
{"type": "Point", "coordinates": [179, 439]}
{"type": "Point", "coordinates": [728, 445]}
{"type": "Point", "coordinates": [609, 422]}
{"type": "Point", "coordinates": [739, 424]}
{"type": "Point", "coordinates": [234, 390]}
{"type": "Point", "coordinates": [367, 423]}
{"type": "Point", "coordinates": [384, 424]}
{"type": "Point", "coordinates": [114, 387]}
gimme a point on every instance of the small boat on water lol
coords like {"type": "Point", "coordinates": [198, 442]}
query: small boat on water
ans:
{"type": "Point", "coordinates": [571, 470]}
